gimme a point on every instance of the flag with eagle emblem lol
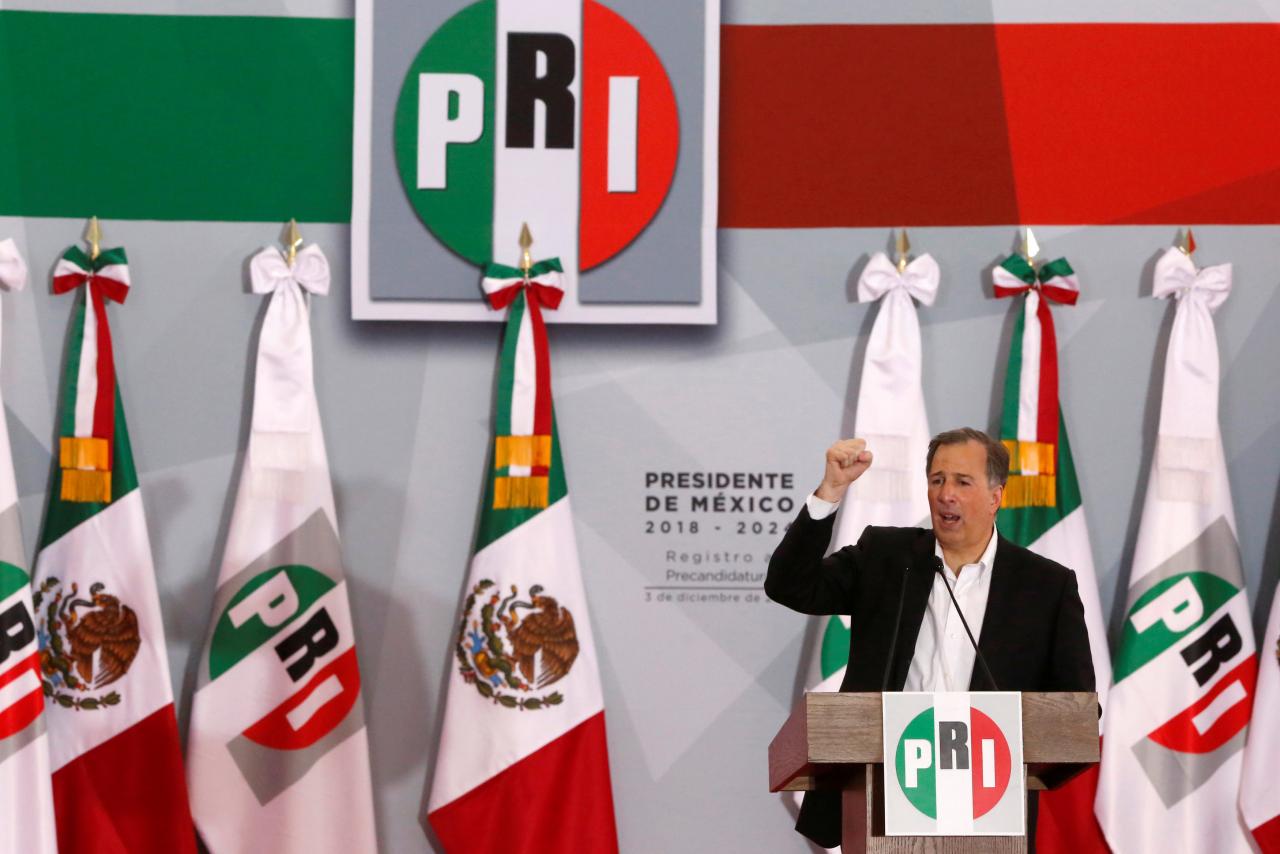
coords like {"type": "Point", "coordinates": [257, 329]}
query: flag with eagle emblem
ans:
{"type": "Point", "coordinates": [26, 810]}
{"type": "Point", "coordinates": [1042, 509]}
{"type": "Point", "coordinates": [523, 748]}
{"type": "Point", "coordinates": [278, 754]}
{"type": "Point", "coordinates": [118, 782]}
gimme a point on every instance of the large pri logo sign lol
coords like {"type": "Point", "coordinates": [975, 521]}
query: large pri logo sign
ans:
{"type": "Point", "coordinates": [953, 764]}
{"type": "Point", "coordinates": [555, 113]}
{"type": "Point", "coordinates": [1183, 641]}
{"type": "Point", "coordinates": [304, 641]}
{"type": "Point", "coordinates": [560, 114]}
{"type": "Point", "coordinates": [21, 697]}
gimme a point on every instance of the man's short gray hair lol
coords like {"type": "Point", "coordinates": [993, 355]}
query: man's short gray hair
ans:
{"type": "Point", "coordinates": [997, 453]}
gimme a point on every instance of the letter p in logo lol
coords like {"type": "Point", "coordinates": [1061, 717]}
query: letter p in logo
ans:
{"type": "Point", "coordinates": [919, 756]}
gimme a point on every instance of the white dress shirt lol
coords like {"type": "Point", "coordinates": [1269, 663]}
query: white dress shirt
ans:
{"type": "Point", "coordinates": [943, 659]}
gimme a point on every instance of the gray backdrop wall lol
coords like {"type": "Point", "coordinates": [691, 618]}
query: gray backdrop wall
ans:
{"type": "Point", "coordinates": [693, 690]}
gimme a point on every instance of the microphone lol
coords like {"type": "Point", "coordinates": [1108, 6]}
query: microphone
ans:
{"type": "Point", "coordinates": [937, 567]}
{"type": "Point", "coordinates": [897, 624]}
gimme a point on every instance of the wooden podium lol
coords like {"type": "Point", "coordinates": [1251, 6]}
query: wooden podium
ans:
{"type": "Point", "coordinates": [834, 741]}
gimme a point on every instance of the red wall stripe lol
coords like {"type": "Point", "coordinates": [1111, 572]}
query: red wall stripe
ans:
{"type": "Point", "coordinates": [976, 124]}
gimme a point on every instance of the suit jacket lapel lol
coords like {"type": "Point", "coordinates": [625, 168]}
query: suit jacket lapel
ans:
{"type": "Point", "coordinates": [1000, 598]}
{"type": "Point", "coordinates": [916, 601]}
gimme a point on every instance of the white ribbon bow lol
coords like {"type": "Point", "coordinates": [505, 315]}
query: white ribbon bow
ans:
{"type": "Point", "coordinates": [1177, 276]}
{"type": "Point", "coordinates": [13, 270]}
{"type": "Point", "coordinates": [919, 279]}
{"type": "Point", "coordinates": [284, 388]}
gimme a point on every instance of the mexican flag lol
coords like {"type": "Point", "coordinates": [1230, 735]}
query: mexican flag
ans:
{"type": "Point", "coordinates": [118, 784]}
{"type": "Point", "coordinates": [1179, 708]}
{"type": "Point", "coordinates": [278, 755]}
{"type": "Point", "coordinates": [26, 809]}
{"type": "Point", "coordinates": [1042, 510]}
{"type": "Point", "coordinates": [1259, 797]}
{"type": "Point", "coordinates": [523, 753]}
{"type": "Point", "coordinates": [891, 417]}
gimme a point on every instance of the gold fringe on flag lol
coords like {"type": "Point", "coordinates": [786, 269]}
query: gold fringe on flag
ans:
{"type": "Point", "coordinates": [86, 486]}
{"type": "Point", "coordinates": [1032, 457]}
{"type": "Point", "coordinates": [510, 493]}
{"type": "Point", "coordinates": [1030, 490]}
{"type": "Point", "coordinates": [83, 452]}
{"type": "Point", "coordinates": [521, 451]}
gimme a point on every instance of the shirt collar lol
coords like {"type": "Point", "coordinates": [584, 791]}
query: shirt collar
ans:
{"type": "Point", "coordinates": [984, 563]}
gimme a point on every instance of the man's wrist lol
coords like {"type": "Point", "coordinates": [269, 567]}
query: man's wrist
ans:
{"type": "Point", "coordinates": [819, 508]}
{"type": "Point", "coordinates": [828, 493]}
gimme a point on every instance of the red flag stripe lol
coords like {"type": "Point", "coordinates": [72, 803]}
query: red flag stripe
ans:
{"type": "Point", "coordinates": [127, 795]}
{"type": "Point", "coordinates": [558, 797]}
{"type": "Point", "coordinates": [991, 124]}
{"type": "Point", "coordinates": [542, 362]}
{"type": "Point", "coordinates": [1047, 406]}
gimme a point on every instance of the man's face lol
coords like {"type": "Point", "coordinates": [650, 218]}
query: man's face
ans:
{"type": "Point", "coordinates": [961, 501]}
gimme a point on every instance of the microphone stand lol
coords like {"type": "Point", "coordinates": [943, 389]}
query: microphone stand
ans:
{"type": "Point", "coordinates": [897, 624]}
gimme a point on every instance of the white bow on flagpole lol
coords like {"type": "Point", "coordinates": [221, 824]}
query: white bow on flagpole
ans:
{"type": "Point", "coordinates": [284, 388]}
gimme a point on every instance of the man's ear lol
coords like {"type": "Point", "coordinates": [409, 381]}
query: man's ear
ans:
{"type": "Point", "coordinates": [997, 495]}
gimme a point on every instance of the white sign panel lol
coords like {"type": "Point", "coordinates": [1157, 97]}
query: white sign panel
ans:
{"type": "Point", "coordinates": [953, 764]}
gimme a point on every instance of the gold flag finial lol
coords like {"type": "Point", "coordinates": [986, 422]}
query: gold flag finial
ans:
{"type": "Point", "coordinates": [94, 236]}
{"type": "Point", "coordinates": [295, 242]}
{"type": "Point", "coordinates": [904, 246]}
{"type": "Point", "coordinates": [526, 259]}
{"type": "Point", "coordinates": [1030, 249]}
{"type": "Point", "coordinates": [1188, 242]}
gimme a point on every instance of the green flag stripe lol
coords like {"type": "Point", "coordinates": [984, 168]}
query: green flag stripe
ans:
{"type": "Point", "coordinates": [1013, 377]}
{"type": "Point", "coordinates": [496, 523]}
{"type": "Point", "coordinates": [507, 368]}
{"type": "Point", "coordinates": [502, 271]}
{"type": "Point", "coordinates": [61, 516]}
{"type": "Point", "coordinates": [1025, 525]}
{"type": "Point", "coordinates": [173, 134]}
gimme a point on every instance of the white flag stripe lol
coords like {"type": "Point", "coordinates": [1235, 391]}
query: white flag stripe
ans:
{"type": "Point", "coordinates": [1068, 543]}
{"type": "Point", "coordinates": [18, 688]}
{"type": "Point", "coordinates": [112, 547]}
{"type": "Point", "coordinates": [87, 374]}
{"type": "Point", "coordinates": [1029, 378]}
{"type": "Point", "coordinates": [526, 555]}
{"type": "Point", "coordinates": [524, 387]}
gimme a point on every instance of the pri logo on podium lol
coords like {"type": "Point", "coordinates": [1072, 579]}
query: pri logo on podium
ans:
{"type": "Point", "coordinates": [953, 764]}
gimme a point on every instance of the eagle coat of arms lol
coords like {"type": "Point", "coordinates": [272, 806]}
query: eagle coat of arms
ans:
{"type": "Point", "coordinates": [85, 644]}
{"type": "Point", "coordinates": [512, 649]}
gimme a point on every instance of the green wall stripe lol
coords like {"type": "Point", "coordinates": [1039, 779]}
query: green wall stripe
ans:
{"type": "Point", "coordinates": [175, 117]}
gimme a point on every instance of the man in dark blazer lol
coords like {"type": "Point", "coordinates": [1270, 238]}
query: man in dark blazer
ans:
{"type": "Point", "coordinates": [1024, 609]}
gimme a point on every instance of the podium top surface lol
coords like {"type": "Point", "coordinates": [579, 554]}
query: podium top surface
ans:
{"type": "Point", "coordinates": [834, 729]}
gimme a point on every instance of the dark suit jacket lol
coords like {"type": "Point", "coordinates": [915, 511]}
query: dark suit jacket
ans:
{"type": "Point", "coordinates": [1033, 634]}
